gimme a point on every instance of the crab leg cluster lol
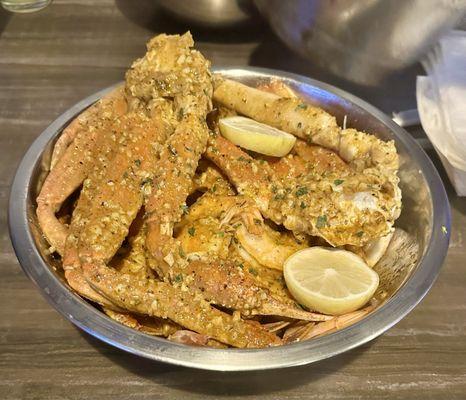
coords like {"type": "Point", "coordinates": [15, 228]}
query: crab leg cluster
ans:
{"type": "Point", "coordinates": [179, 233]}
{"type": "Point", "coordinates": [354, 201]}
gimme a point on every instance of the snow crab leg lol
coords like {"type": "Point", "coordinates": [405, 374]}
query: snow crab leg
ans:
{"type": "Point", "coordinates": [116, 193]}
{"type": "Point", "coordinates": [92, 137]}
{"type": "Point", "coordinates": [134, 263]}
{"type": "Point", "coordinates": [130, 166]}
{"type": "Point", "coordinates": [220, 281]}
{"type": "Point", "coordinates": [114, 102]}
{"type": "Point", "coordinates": [315, 204]}
{"type": "Point", "coordinates": [209, 178]}
{"type": "Point", "coordinates": [106, 219]}
{"type": "Point", "coordinates": [163, 300]}
{"type": "Point", "coordinates": [301, 332]}
{"type": "Point", "coordinates": [369, 187]}
{"type": "Point", "coordinates": [150, 325]}
{"type": "Point", "coordinates": [307, 122]}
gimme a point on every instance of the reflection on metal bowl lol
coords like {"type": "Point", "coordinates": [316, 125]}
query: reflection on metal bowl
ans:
{"type": "Point", "coordinates": [210, 13]}
{"type": "Point", "coordinates": [408, 269]}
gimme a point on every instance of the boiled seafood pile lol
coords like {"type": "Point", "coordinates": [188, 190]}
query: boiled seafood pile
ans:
{"type": "Point", "coordinates": [173, 230]}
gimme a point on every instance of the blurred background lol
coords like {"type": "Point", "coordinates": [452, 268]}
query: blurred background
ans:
{"type": "Point", "coordinates": [359, 45]}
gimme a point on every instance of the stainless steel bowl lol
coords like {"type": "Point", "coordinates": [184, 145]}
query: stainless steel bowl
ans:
{"type": "Point", "coordinates": [361, 40]}
{"type": "Point", "coordinates": [425, 218]}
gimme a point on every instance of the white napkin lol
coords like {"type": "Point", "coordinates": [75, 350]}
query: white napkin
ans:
{"type": "Point", "coordinates": [441, 102]}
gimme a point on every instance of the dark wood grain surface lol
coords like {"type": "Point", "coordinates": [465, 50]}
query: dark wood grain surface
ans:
{"type": "Point", "coordinates": [51, 59]}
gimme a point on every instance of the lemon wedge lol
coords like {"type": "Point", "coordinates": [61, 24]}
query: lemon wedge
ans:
{"type": "Point", "coordinates": [330, 281]}
{"type": "Point", "coordinates": [253, 135]}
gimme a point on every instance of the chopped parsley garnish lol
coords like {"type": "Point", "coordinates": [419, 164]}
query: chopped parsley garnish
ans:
{"type": "Point", "coordinates": [192, 231]}
{"type": "Point", "coordinates": [181, 113]}
{"type": "Point", "coordinates": [279, 196]}
{"type": "Point", "coordinates": [221, 234]}
{"type": "Point", "coordinates": [303, 205]}
{"type": "Point", "coordinates": [147, 181]}
{"type": "Point", "coordinates": [253, 271]}
{"type": "Point", "coordinates": [301, 106]}
{"type": "Point", "coordinates": [338, 182]}
{"type": "Point", "coordinates": [137, 162]}
{"type": "Point", "coordinates": [181, 253]}
{"type": "Point", "coordinates": [179, 278]}
{"type": "Point", "coordinates": [301, 191]}
{"type": "Point", "coordinates": [214, 188]}
{"type": "Point", "coordinates": [359, 234]}
{"type": "Point", "coordinates": [184, 208]}
{"type": "Point", "coordinates": [321, 221]}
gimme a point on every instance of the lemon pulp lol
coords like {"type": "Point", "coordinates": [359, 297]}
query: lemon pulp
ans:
{"type": "Point", "coordinates": [255, 136]}
{"type": "Point", "coordinates": [330, 281]}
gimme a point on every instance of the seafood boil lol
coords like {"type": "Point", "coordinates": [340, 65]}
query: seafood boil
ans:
{"type": "Point", "coordinates": [174, 230]}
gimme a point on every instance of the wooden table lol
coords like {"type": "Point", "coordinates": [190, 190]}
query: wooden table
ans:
{"type": "Point", "coordinates": [51, 59]}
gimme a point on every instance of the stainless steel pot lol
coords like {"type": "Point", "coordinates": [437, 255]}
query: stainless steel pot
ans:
{"type": "Point", "coordinates": [361, 40]}
{"type": "Point", "coordinates": [408, 270]}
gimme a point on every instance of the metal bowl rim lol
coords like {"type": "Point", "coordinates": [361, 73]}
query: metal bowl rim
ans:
{"type": "Point", "coordinates": [94, 322]}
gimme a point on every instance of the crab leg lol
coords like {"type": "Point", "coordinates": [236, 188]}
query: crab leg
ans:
{"type": "Point", "coordinates": [134, 263]}
{"type": "Point", "coordinates": [240, 215]}
{"type": "Point", "coordinates": [211, 179]}
{"type": "Point", "coordinates": [206, 239]}
{"type": "Point", "coordinates": [172, 182]}
{"type": "Point", "coordinates": [114, 102]}
{"type": "Point", "coordinates": [250, 177]}
{"type": "Point", "coordinates": [99, 225]}
{"type": "Point", "coordinates": [114, 203]}
{"type": "Point", "coordinates": [195, 339]}
{"type": "Point", "coordinates": [113, 194]}
{"type": "Point", "coordinates": [366, 154]}
{"type": "Point", "coordinates": [71, 262]}
{"type": "Point", "coordinates": [150, 325]}
{"type": "Point", "coordinates": [73, 167]}
{"type": "Point", "coordinates": [313, 330]}
{"type": "Point", "coordinates": [116, 198]}
{"type": "Point", "coordinates": [307, 122]}
{"type": "Point", "coordinates": [163, 300]}
{"type": "Point", "coordinates": [221, 282]}
{"type": "Point", "coordinates": [105, 227]}
{"type": "Point", "coordinates": [313, 204]}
